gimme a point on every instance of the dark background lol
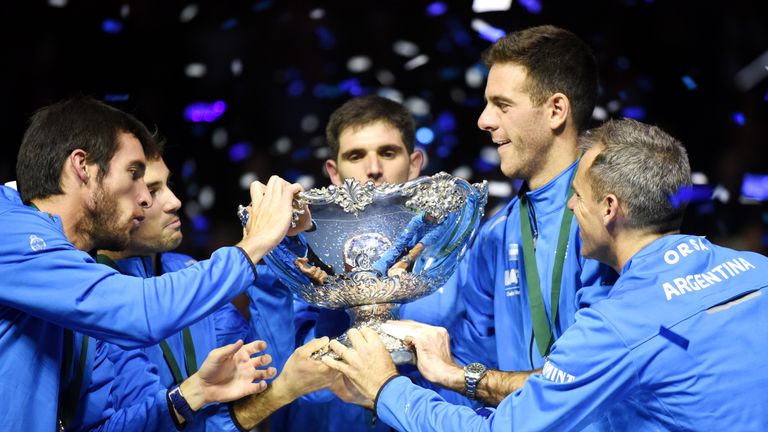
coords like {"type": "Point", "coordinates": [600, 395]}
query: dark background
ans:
{"type": "Point", "coordinates": [670, 63]}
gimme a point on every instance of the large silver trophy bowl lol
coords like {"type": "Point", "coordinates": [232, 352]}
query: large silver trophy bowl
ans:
{"type": "Point", "coordinates": [372, 248]}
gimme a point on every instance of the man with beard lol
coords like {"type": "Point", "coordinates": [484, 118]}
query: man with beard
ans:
{"type": "Point", "coordinates": [126, 389]}
{"type": "Point", "coordinates": [80, 178]}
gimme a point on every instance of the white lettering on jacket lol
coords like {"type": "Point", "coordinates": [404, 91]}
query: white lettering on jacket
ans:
{"type": "Point", "coordinates": [556, 375]}
{"type": "Point", "coordinates": [683, 249]}
{"type": "Point", "coordinates": [696, 282]}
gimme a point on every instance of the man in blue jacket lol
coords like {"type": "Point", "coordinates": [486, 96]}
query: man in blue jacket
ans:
{"type": "Point", "coordinates": [80, 178]}
{"type": "Point", "coordinates": [523, 279]}
{"type": "Point", "coordinates": [676, 344]}
{"type": "Point", "coordinates": [371, 138]}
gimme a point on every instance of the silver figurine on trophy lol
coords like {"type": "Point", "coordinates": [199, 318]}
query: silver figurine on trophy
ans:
{"type": "Point", "coordinates": [372, 248]}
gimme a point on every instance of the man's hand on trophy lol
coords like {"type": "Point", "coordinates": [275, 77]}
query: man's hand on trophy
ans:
{"type": "Point", "coordinates": [314, 273]}
{"type": "Point", "coordinates": [302, 374]}
{"type": "Point", "coordinates": [368, 364]}
{"type": "Point", "coordinates": [346, 391]}
{"type": "Point", "coordinates": [270, 215]}
{"type": "Point", "coordinates": [433, 351]}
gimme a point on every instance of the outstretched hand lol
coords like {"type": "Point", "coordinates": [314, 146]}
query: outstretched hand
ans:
{"type": "Point", "coordinates": [230, 372]}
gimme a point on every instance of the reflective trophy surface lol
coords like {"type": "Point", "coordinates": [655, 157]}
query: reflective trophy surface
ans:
{"type": "Point", "coordinates": [373, 248]}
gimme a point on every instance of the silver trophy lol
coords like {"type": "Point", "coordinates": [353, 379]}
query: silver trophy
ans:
{"type": "Point", "coordinates": [372, 248]}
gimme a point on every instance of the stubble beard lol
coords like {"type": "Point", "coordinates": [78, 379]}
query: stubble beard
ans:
{"type": "Point", "coordinates": [102, 222]}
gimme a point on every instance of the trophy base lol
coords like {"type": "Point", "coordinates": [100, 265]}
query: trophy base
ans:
{"type": "Point", "coordinates": [372, 316]}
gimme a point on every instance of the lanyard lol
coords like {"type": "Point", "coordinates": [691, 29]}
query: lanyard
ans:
{"type": "Point", "coordinates": [542, 329]}
{"type": "Point", "coordinates": [190, 359]}
{"type": "Point", "coordinates": [190, 362]}
{"type": "Point", "coordinates": [69, 394]}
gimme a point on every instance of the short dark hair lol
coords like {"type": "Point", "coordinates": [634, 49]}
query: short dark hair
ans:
{"type": "Point", "coordinates": [57, 130]}
{"type": "Point", "coordinates": [646, 168]}
{"type": "Point", "coordinates": [555, 60]}
{"type": "Point", "coordinates": [365, 110]}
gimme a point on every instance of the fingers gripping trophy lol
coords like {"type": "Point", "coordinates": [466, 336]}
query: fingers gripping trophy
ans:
{"type": "Point", "coordinates": [372, 248]}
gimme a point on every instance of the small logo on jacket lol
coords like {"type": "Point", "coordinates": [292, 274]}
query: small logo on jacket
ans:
{"type": "Point", "coordinates": [36, 243]}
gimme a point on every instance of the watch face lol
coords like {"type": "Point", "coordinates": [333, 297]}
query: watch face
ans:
{"type": "Point", "coordinates": [475, 368]}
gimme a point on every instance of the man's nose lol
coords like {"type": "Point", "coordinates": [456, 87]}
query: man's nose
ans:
{"type": "Point", "coordinates": [375, 167]}
{"type": "Point", "coordinates": [144, 197]}
{"type": "Point", "coordinates": [487, 120]}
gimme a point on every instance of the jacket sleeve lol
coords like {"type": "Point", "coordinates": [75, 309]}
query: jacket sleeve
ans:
{"type": "Point", "coordinates": [60, 284]}
{"type": "Point", "coordinates": [473, 332]}
{"type": "Point", "coordinates": [137, 399]}
{"type": "Point", "coordinates": [230, 326]}
{"type": "Point", "coordinates": [271, 307]}
{"type": "Point", "coordinates": [590, 369]}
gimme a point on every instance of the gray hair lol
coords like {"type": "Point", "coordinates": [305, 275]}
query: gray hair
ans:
{"type": "Point", "coordinates": [647, 170]}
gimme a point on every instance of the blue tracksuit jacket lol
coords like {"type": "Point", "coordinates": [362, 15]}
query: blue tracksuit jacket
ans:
{"type": "Point", "coordinates": [677, 344]}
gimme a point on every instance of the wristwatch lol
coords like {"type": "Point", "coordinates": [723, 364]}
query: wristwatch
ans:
{"type": "Point", "coordinates": [180, 403]}
{"type": "Point", "coordinates": [473, 373]}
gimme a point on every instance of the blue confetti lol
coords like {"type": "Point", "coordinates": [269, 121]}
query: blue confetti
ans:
{"type": "Point", "coordinates": [326, 91]}
{"type": "Point", "coordinates": [262, 5]}
{"type": "Point", "coordinates": [444, 151]}
{"type": "Point", "coordinates": [689, 82]}
{"type": "Point", "coordinates": [532, 6]}
{"type": "Point", "coordinates": [200, 222]}
{"type": "Point", "coordinates": [755, 186]}
{"type": "Point", "coordinates": [490, 33]}
{"type": "Point", "coordinates": [738, 118]}
{"type": "Point", "coordinates": [327, 41]}
{"type": "Point", "coordinates": [484, 166]}
{"type": "Point", "coordinates": [425, 135]}
{"type": "Point", "coordinates": [112, 26]}
{"type": "Point", "coordinates": [302, 154]}
{"type": "Point", "coordinates": [296, 88]}
{"type": "Point", "coordinates": [116, 97]}
{"type": "Point", "coordinates": [634, 112]}
{"type": "Point", "coordinates": [207, 112]}
{"type": "Point", "coordinates": [240, 151]}
{"type": "Point", "coordinates": [292, 175]}
{"type": "Point", "coordinates": [446, 122]}
{"type": "Point", "coordinates": [351, 86]}
{"type": "Point", "coordinates": [691, 194]}
{"type": "Point", "coordinates": [188, 169]}
{"type": "Point", "coordinates": [436, 9]}
{"type": "Point", "coordinates": [449, 73]}
{"type": "Point", "coordinates": [229, 24]}
{"type": "Point", "coordinates": [765, 98]}
{"type": "Point", "coordinates": [645, 84]}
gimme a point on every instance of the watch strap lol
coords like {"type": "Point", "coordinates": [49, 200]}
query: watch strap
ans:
{"type": "Point", "coordinates": [180, 403]}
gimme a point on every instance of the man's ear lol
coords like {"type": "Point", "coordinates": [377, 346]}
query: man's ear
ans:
{"type": "Point", "coordinates": [417, 161]}
{"type": "Point", "coordinates": [610, 210]}
{"type": "Point", "coordinates": [333, 173]}
{"type": "Point", "coordinates": [77, 164]}
{"type": "Point", "coordinates": [558, 110]}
